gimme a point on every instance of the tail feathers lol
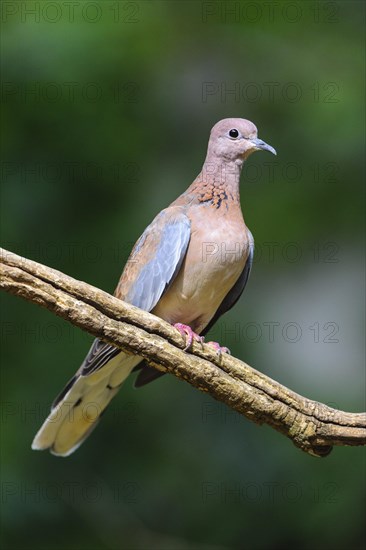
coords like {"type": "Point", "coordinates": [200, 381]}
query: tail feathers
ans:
{"type": "Point", "coordinates": [81, 405]}
{"type": "Point", "coordinates": [146, 374]}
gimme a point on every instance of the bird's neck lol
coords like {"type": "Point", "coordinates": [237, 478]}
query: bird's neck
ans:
{"type": "Point", "coordinates": [218, 181]}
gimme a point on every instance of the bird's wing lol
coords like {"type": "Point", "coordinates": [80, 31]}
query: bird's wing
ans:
{"type": "Point", "coordinates": [148, 374]}
{"type": "Point", "coordinates": [152, 266]}
{"type": "Point", "coordinates": [155, 259]}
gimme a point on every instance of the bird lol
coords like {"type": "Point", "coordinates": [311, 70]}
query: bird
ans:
{"type": "Point", "coordinates": [189, 267]}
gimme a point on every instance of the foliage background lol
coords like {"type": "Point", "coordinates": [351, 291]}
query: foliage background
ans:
{"type": "Point", "coordinates": [104, 123]}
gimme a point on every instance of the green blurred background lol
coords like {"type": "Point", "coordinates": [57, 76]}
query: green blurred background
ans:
{"type": "Point", "coordinates": [107, 108]}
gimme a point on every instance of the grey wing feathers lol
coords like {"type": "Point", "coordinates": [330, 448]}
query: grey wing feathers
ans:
{"type": "Point", "coordinates": [150, 282]}
{"type": "Point", "coordinates": [159, 272]}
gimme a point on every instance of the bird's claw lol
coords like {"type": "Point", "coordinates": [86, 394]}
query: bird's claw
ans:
{"type": "Point", "coordinates": [188, 335]}
{"type": "Point", "coordinates": [220, 349]}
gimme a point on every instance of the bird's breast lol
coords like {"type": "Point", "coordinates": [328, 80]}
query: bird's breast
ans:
{"type": "Point", "coordinates": [216, 256]}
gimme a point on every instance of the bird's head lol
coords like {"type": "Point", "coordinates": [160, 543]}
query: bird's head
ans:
{"type": "Point", "coordinates": [234, 139]}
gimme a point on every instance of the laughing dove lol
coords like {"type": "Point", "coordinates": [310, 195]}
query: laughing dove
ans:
{"type": "Point", "coordinates": [189, 267]}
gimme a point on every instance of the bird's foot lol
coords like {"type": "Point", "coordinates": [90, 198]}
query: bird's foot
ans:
{"type": "Point", "coordinates": [220, 349]}
{"type": "Point", "coordinates": [188, 335]}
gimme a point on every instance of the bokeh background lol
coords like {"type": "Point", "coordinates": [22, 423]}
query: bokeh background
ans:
{"type": "Point", "coordinates": [107, 108]}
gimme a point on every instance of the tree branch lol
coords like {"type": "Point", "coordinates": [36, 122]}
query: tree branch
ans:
{"type": "Point", "coordinates": [313, 427]}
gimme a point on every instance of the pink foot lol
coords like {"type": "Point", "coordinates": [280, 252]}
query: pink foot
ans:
{"type": "Point", "coordinates": [218, 348]}
{"type": "Point", "coordinates": [188, 335]}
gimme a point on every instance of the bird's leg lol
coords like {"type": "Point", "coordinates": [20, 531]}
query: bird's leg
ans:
{"type": "Point", "coordinates": [218, 348]}
{"type": "Point", "coordinates": [188, 335]}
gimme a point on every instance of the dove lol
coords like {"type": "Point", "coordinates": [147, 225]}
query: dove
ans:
{"type": "Point", "coordinates": [189, 267]}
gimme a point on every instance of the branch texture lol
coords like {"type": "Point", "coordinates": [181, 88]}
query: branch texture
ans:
{"type": "Point", "coordinates": [313, 427]}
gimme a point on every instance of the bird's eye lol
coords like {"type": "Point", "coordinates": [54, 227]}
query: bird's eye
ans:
{"type": "Point", "coordinates": [234, 133]}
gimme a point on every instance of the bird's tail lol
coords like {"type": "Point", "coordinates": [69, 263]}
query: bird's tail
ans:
{"type": "Point", "coordinates": [78, 408]}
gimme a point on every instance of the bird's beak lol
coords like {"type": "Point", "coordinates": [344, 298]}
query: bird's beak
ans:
{"type": "Point", "coordinates": [259, 144]}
